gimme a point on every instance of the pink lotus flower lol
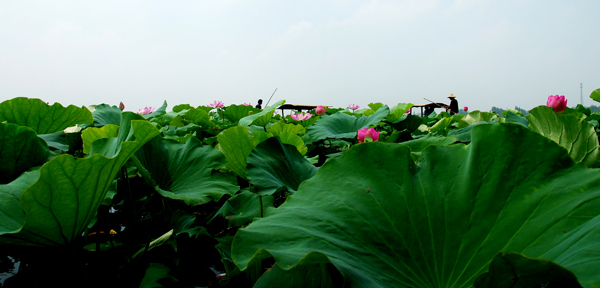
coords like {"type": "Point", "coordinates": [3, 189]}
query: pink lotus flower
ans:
{"type": "Point", "coordinates": [371, 133]}
{"type": "Point", "coordinates": [301, 116]}
{"type": "Point", "coordinates": [320, 110]}
{"type": "Point", "coordinates": [146, 110]}
{"type": "Point", "coordinates": [466, 108]}
{"type": "Point", "coordinates": [216, 104]}
{"type": "Point", "coordinates": [558, 103]}
{"type": "Point", "coordinates": [353, 106]}
{"type": "Point", "coordinates": [121, 106]}
{"type": "Point", "coordinates": [247, 104]}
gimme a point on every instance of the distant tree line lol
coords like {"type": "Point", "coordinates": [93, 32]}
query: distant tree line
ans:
{"type": "Point", "coordinates": [500, 110]}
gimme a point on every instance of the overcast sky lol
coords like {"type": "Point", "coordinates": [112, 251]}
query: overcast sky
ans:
{"type": "Point", "coordinates": [501, 53]}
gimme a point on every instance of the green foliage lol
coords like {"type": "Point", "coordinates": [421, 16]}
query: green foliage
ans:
{"type": "Point", "coordinates": [439, 223]}
{"type": "Point", "coordinates": [105, 114]}
{"type": "Point", "coordinates": [263, 118]}
{"type": "Point", "coordinates": [569, 131]}
{"type": "Point", "coordinates": [20, 150]}
{"type": "Point", "coordinates": [273, 165]}
{"type": "Point", "coordinates": [242, 208]}
{"type": "Point", "coordinates": [42, 118]}
{"type": "Point", "coordinates": [236, 143]}
{"type": "Point", "coordinates": [344, 126]}
{"type": "Point", "coordinates": [595, 95]}
{"type": "Point", "coordinates": [155, 200]}
{"type": "Point", "coordinates": [64, 200]}
{"type": "Point", "coordinates": [187, 171]}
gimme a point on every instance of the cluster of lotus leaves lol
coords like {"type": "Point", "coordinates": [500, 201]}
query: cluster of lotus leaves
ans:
{"type": "Point", "coordinates": [510, 209]}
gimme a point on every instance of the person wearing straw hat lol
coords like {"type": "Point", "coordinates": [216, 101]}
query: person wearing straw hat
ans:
{"type": "Point", "coordinates": [453, 105]}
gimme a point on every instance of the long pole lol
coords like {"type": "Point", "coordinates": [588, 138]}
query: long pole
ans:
{"type": "Point", "coordinates": [267, 105]}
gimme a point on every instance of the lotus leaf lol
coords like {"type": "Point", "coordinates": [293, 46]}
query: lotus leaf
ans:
{"type": "Point", "coordinates": [92, 134]}
{"type": "Point", "coordinates": [476, 117]}
{"type": "Point", "coordinates": [56, 140]}
{"type": "Point", "coordinates": [280, 127]}
{"type": "Point", "coordinates": [516, 270]}
{"type": "Point", "coordinates": [242, 208]}
{"type": "Point", "coordinates": [234, 113]}
{"type": "Point", "coordinates": [595, 95]}
{"type": "Point", "coordinates": [105, 114]}
{"type": "Point", "coordinates": [293, 139]}
{"type": "Point", "coordinates": [384, 221]}
{"type": "Point", "coordinates": [342, 125]}
{"type": "Point", "coordinates": [185, 171]}
{"type": "Point", "coordinates": [236, 143]}
{"type": "Point", "coordinates": [42, 118]}
{"type": "Point", "coordinates": [515, 118]}
{"type": "Point", "coordinates": [20, 149]}
{"type": "Point", "coordinates": [574, 134]}
{"type": "Point", "coordinates": [69, 191]}
{"type": "Point", "coordinates": [272, 165]}
{"type": "Point", "coordinates": [398, 112]}
{"type": "Point", "coordinates": [12, 217]}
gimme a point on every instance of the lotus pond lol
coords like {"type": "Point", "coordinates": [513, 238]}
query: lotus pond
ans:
{"type": "Point", "coordinates": [234, 196]}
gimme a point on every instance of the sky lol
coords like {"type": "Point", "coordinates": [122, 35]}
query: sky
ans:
{"type": "Point", "coordinates": [501, 53]}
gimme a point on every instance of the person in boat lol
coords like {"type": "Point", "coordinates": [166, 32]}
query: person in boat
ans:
{"type": "Point", "coordinates": [259, 105]}
{"type": "Point", "coordinates": [453, 108]}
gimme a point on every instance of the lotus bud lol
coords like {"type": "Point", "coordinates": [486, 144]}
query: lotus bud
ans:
{"type": "Point", "coordinates": [558, 103]}
{"type": "Point", "coordinates": [466, 108]}
{"type": "Point", "coordinates": [320, 110]}
{"type": "Point", "coordinates": [121, 106]}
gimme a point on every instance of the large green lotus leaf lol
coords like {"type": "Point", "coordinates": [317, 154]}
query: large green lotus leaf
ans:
{"type": "Point", "coordinates": [105, 114]}
{"type": "Point", "coordinates": [569, 131]}
{"type": "Point", "coordinates": [476, 117]}
{"type": "Point", "coordinates": [595, 95]}
{"type": "Point", "coordinates": [272, 165]}
{"type": "Point", "coordinates": [236, 143]}
{"type": "Point", "coordinates": [385, 221]}
{"type": "Point", "coordinates": [281, 127]}
{"type": "Point", "coordinates": [234, 113]}
{"type": "Point", "coordinates": [41, 117]}
{"type": "Point", "coordinates": [64, 200]}
{"type": "Point", "coordinates": [186, 171]}
{"type": "Point", "coordinates": [342, 125]}
{"type": "Point", "coordinates": [12, 217]}
{"type": "Point", "coordinates": [92, 134]}
{"type": "Point", "coordinates": [263, 118]}
{"type": "Point", "coordinates": [242, 208]}
{"type": "Point", "coordinates": [20, 149]}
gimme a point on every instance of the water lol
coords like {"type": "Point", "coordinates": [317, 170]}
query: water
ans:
{"type": "Point", "coordinates": [10, 272]}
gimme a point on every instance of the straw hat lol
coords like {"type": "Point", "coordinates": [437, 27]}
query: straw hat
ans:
{"type": "Point", "coordinates": [451, 96]}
